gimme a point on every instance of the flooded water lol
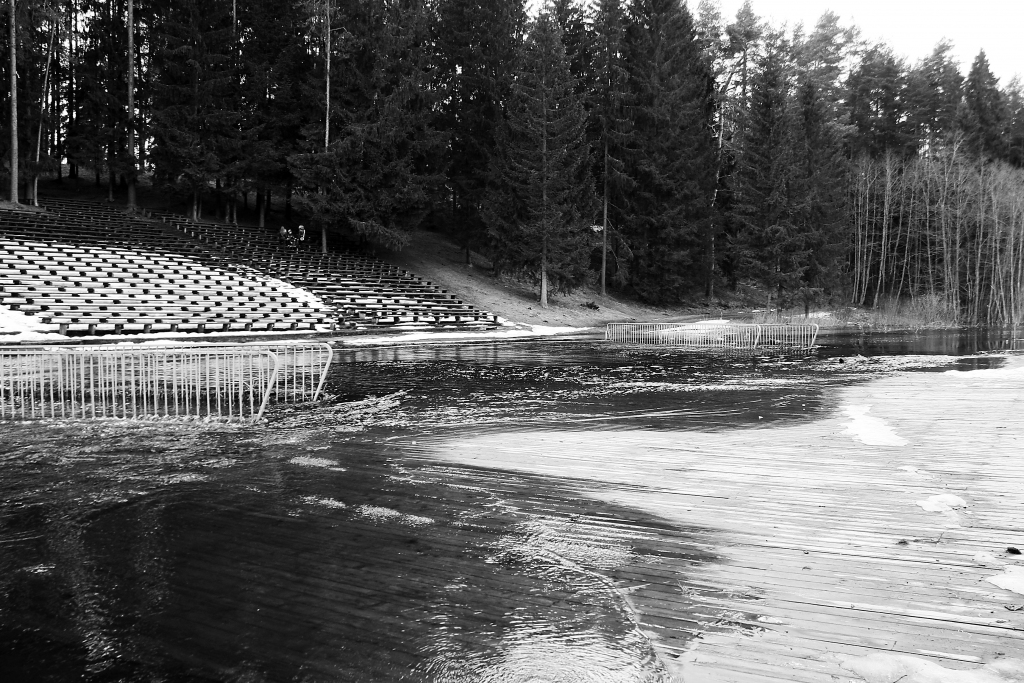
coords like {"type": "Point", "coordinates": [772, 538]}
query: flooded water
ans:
{"type": "Point", "coordinates": [334, 543]}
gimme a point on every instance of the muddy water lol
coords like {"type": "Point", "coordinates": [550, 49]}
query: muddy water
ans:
{"type": "Point", "coordinates": [325, 546]}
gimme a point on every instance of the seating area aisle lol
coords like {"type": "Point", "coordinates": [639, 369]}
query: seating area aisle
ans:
{"type": "Point", "coordinates": [365, 291]}
{"type": "Point", "coordinates": [90, 268]}
{"type": "Point", "coordinates": [86, 268]}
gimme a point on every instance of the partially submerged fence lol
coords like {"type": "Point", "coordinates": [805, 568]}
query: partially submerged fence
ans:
{"type": "Point", "coordinates": [712, 335]}
{"type": "Point", "coordinates": [222, 381]}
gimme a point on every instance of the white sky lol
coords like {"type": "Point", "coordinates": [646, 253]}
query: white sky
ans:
{"type": "Point", "coordinates": [913, 27]}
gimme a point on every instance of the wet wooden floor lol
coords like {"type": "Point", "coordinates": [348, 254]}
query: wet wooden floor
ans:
{"type": "Point", "coordinates": [869, 545]}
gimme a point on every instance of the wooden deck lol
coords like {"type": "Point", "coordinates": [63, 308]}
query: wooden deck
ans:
{"type": "Point", "coordinates": [835, 560]}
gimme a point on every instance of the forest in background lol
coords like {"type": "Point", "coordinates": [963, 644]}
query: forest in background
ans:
{"type": "Point", "coordinates": [651, 147]}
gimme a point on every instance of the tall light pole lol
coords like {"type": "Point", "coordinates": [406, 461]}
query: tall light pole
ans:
{"type": "Point", "coordinates": [12, 43]}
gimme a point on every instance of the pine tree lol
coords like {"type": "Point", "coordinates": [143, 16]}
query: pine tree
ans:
{"type": "Point", "coordinates": [935, 92]}
{"type": "Point", "coordinates": [194, 123]}
{"type": "Point", "coordinates": [671, 150]}
{"type": "Point", "coordinates": [769, 247]}
{"type": "Point", "coordinates": [1014, 98]}
{"type": "Point", "coordinates": [609, 122]}
{"type": "Point", "coordinates": [476, 42]}
{"type": "Point", "coordinates": [818, 193]}
{"type": "Point", "coordinates": [541, 202]}
{"type": "Point", "coordinates": [376, 178]}
{"type": "Point", "coordinates": [983, 115]}
{"type": "Point", "coordinates": [878, 105]}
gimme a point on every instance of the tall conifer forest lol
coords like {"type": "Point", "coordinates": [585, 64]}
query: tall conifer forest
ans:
{"type": "Point", "coordinates": [653, 148]}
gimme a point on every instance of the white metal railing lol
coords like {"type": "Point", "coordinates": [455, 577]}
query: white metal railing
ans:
{"type": "Point", "coordinates": [233, 383]}
{"type": "Point", "coordinates": [712, 335]}
{"type": "Point", "coordinates": [302, 366]}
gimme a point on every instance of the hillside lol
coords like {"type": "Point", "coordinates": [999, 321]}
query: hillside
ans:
{"type": "Point", "coordinates": [435, 257]}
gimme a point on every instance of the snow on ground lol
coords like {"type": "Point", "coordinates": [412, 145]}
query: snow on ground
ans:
{"type": "Point", "coordinates": [25, 328]}
{"type": "Point", "coordinates": [1012, 579]}
{"type": "Point", "coordinates": [883, 667]}
{"type": "Point", "coordinates": [870, 430]}
{"type": "Point", "coordinates": [944, 502]}
{"type": "Point", "coordinates": [407, 337]}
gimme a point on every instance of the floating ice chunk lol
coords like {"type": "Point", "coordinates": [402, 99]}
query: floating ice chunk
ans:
{"type": "Point", "coordinates": [882, 667]}
{"type": "Point", "coordinates": [944, 502]}
{"type": "Point", "coordinates": [872, 431]}
{"type": "Point", "coordinates": [1012, 579]}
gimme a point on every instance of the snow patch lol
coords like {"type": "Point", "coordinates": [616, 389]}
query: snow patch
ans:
{"type": "Point", "coordinates": [324, 502]}
{"type": "Point", "coordinates": [1012, 579]}
{"type": "Point", "coordinates": [944, 502]}
{"type": "Point", "coordinates": [21, 327]}
{"type": "Point", "coordinates": [870, 430]}
{"type": "Point", "coordinates": [881, 667]}
{"type": "Point", "coordinates": [988, 560]}
{"type": "Point", "coordinates": [405, 338]}
{"type": "Point", "coordinates": [910, 469]}
{"type": "Point", "coordinates": [308, 461]}
{"type": "Point", "coordinates": [381, 514]}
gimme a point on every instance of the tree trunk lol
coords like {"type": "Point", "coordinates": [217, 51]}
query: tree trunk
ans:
{"type": "Point", "coordinates": [544, 276]}
{"type": "Point", "coordinates": [323, 239]}
{"type": "Point", "coordinates": [12, 41]}
{"type": "Point", "coordinates": [42, 116]}
{"type": "Point", "coordinates": [131, 106]}
{"type": "Point", "coordinates": [327, 74]}
{"type": "Point", "coordinates": [604, 224]}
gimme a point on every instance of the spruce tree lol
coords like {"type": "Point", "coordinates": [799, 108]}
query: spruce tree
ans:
{"type": "Point", "coordinates": [541, 200]}
{"type": "Point", "coordinates": [609, 121]}
{"type": "Point", "coordinates": [984, 113]}
{"type": "Point", "coordinates": [878, 105]}
{"type": "Point", "coordinates": [769, 248]}
{"type": "Point", "coordinates": [671, 150]}
{"type": "Point", "coordinates": [194, 123]}
{"type": "Point", "coordinates": [377, 177]}
{"type": "Point", "coordinates": [935, 91]}
{"type": "Point", "coordinates": [819, 192]}
{"type": "Point", "coordinates": [476, 43]}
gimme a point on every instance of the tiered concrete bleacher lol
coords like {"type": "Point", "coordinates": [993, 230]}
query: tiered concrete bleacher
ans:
{"type": "Point", "coordinates": [89, 269]}
{"type": "Point", "coordinates": [366, 292]}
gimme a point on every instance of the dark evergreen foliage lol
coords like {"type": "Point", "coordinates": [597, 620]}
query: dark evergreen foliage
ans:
{"type": "Point", "coordinates": [477, 42]}
{"type": "Point", "coordinates": [541, 203]}
{"type": "Point", "coordinates": [983, 114]}
{"type": "Point", "coordinates": [769, 248]}
{"type": "Point", "coordinates": [382, 166]}
{"type": "Point", "coordinates": [670, 150]}
{"type": "Point", "coordinates": [716, 154]}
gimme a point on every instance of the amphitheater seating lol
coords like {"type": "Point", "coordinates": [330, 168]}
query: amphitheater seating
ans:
{"type": "Point", "coordinates": [366, 292]}
{"type": "Point", "coordinates": [89, 268]}
{"type": "Point", "coordinates": [100, 272]}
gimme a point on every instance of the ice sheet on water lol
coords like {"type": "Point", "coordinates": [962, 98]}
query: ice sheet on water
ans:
{"type": "Point", "coordinates": [1012, 579]}
{"type": "Point", "coordinates": [871, 430]}
{"type": "Point", "coordinates": [883, 667]}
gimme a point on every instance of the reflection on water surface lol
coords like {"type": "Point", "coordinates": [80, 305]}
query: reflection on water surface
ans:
{"type": "Point", "coordinates": [314, 548]}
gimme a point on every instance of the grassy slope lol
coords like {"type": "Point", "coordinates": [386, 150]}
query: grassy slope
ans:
{"type": "Point", "coordinates": [436, 258]}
